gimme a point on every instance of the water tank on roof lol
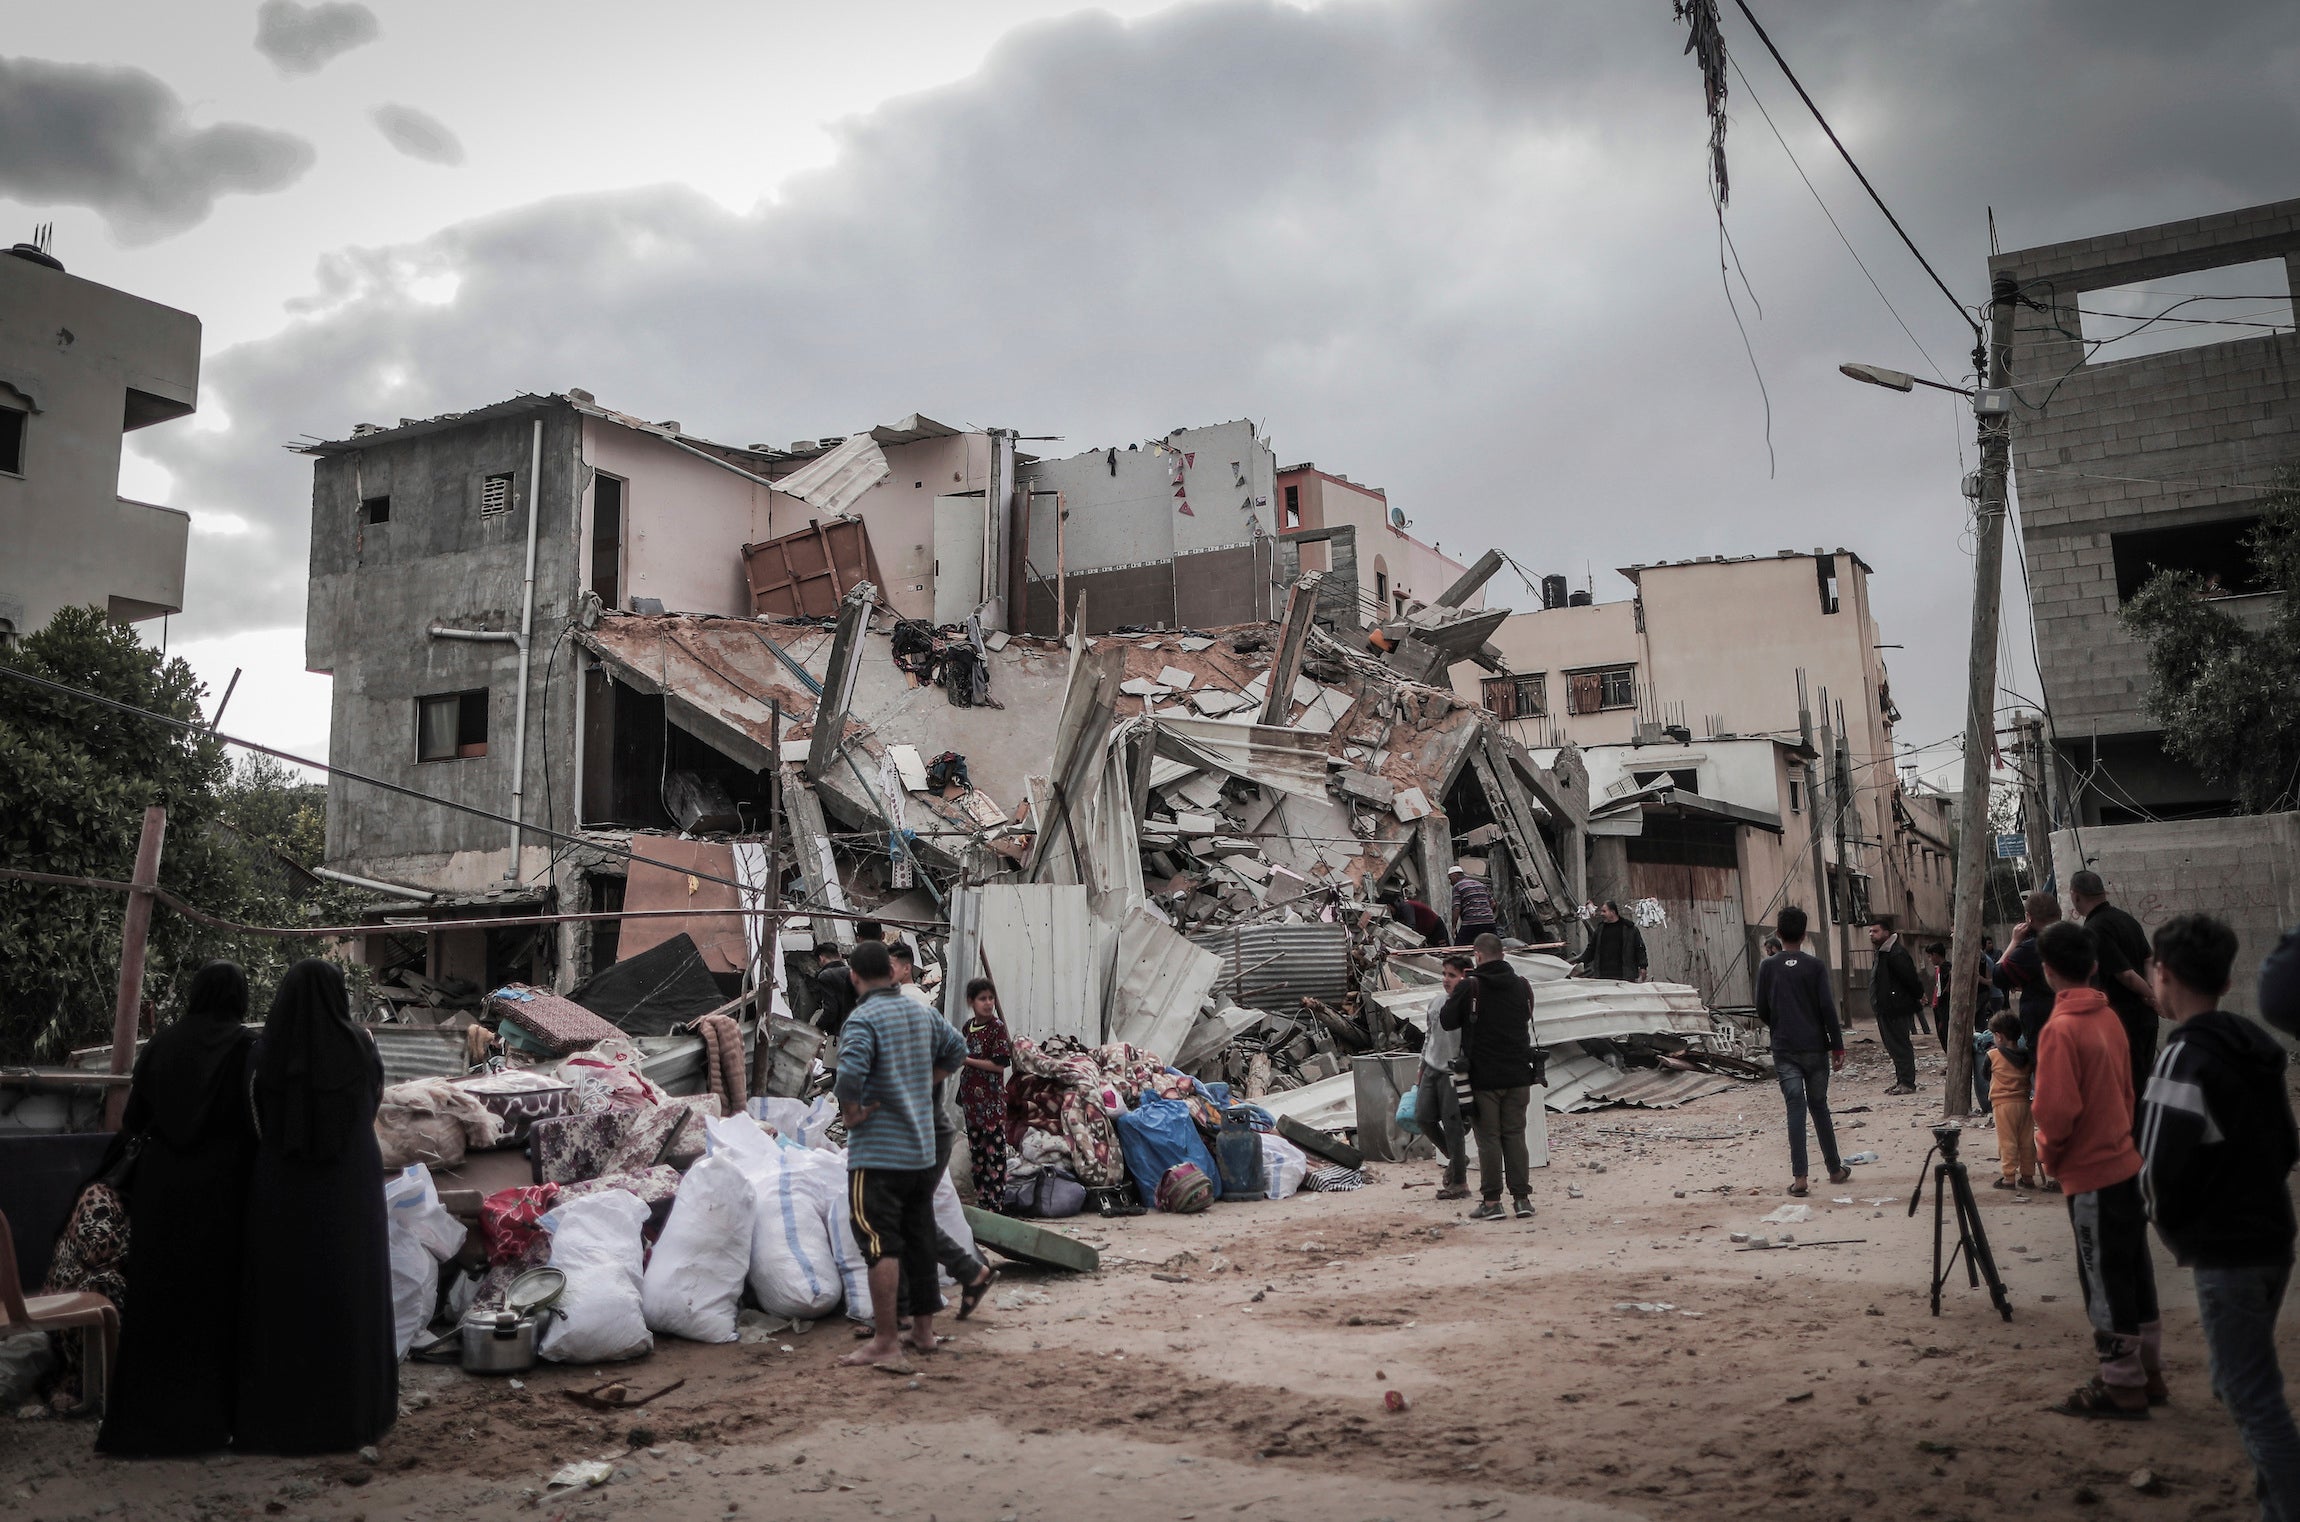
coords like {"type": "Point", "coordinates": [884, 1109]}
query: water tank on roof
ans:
{"type": "Point", "coordinates": [1579, 600]}
{"type": "Point", "coordinates": [1553, 591]}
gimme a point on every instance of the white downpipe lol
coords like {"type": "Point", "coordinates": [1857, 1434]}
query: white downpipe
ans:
{"type": "Point", "coordinates": [511, 873]}
{"type": "Point", "coordinates": [397, 890]}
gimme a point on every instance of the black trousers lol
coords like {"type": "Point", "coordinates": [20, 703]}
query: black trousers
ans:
{"type": "Point", "coordinates": [1896, 1031]}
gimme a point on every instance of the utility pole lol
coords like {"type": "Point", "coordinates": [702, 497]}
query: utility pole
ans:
{"type": "Point", "coordinates": [1819, 928]}
{"type": "Point", "coordinates": [135, 932]}
{"type": "Point", "coordinates": [1973, 851]}
{"type": "Point", "coordinates": [2034, 807]}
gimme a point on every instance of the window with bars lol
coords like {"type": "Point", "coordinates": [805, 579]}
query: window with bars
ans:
{"type": "Point", "coordinates": [495, 496]}
{"type": "Point", "coordinates": [1516, 697]}
{"type": "Point", "coordinates": [1598, 691]}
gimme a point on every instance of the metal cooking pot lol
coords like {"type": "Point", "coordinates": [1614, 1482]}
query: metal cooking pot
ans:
{"type": "Point", "coordinates": [503, 1341]}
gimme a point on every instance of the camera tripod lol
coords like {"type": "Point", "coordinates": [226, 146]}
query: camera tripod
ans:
{"type": "Point", "coordinates": [1950, 1179]}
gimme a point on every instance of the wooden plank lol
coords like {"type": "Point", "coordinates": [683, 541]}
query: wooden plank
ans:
{"type": "Point", "coordinates": [1030, 1244]}
{"type": "Point", "coordinates": [1332, 1148]}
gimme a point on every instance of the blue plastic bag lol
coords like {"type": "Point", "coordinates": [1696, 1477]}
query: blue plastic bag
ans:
{"type": "Point", "coordinates": [1407, 1117]}
{"type": "Point", "coordinates": [1158, 1135]}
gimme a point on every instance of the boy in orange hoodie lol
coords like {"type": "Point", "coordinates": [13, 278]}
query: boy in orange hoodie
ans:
{"type": "Point", "coordinates": [2083, 1111]}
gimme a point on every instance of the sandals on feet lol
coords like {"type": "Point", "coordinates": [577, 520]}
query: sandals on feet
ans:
{"type": "Point", "coordinates": [1798, 1191]}
{"type": "Point", "coordinates": [1840, 1175]}
{"type": "Point", "coordinates": [970, 1295]}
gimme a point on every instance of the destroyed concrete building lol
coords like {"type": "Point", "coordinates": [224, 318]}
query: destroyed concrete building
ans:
{"type": "Point", "coordinates": [1732, 712]}
{"type": "Point", "coordinates": [2151, 373]}
{"type": "Point", "coordinates": [1395, 570]}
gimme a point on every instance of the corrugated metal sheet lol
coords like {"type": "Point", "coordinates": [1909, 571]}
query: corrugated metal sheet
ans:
{"type": "Point", "coordinates": [1292, 761]}
{"type": "Point", "coordinates": [1660, 1088]}
{"type": "Point", "coordinates": [412, 1051]}
{"type": "Point", "coordinates": [1571, 1077]}
{"type": "Point", "coordinates": [675, 1063]}
{"type": "Point", "coordinates": [1158, 985]}
{"type": "Point", "coordinates": [1330, 1104]}
{"type": "Point", "coordinates": [1034, 941]}
{"type": "Point", "coordinates": [836, 481]}
{"type": "Point", "coordinates": [1274, 966]}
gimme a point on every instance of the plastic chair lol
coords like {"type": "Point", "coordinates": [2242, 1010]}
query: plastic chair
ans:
{"type": "Point", "coordinates": [94, 1316]}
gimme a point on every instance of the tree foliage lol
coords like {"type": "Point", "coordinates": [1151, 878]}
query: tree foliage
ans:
{"type": "Point", "coordinates": [79, 777]}
{"type": "Point", "coordinates": [2223, 686]}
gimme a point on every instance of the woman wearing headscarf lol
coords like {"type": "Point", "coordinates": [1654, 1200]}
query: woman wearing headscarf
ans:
{"type": "Point", "coordinates": [188, 1129]}
{"type": "Point", "coordinates": [318, 1367]}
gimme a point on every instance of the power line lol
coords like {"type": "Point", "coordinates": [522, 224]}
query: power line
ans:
{"type": "Point", "coordinates": [1846, 154]}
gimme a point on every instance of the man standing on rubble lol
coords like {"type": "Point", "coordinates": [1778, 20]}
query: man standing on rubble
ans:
{"type": "Point", "coordinates": [1896, 993]}
{"type": "Point", "coordinates": [893, 1051]}
{"type": "Point", "coordinates": [1493, 1009]}
{"type": "Point", "coordinates": [1616, 949]}
{"type": "Point", "coordinates": [1472, 906]}
{"type": "Point", "coordinates": [1798, 1007]}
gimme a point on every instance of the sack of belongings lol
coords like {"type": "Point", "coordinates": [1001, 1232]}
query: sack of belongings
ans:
{"type": "Point", "coordinates": [1159, 1135]}
{"type": "Point", "coordinates": [1047, 1193]}
{"type": "Point", "coordinates": [422, 1236]}
{"type": "Point", "coordinates": [1185, 1190]}
{"type": "Point", "coordinates": [595, 1243]}
{"type": "Point", "coordinates": [1284, 1165]}
{"type": "Point", "coordinates": [695, 1277]}
{"type": "Point", "coordinates": [432, 1121]}
{"type": "Point", "coordinates": [793, 1272]}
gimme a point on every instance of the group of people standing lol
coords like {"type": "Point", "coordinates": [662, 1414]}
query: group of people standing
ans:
{"type": "Point", "coordinates": [254, 1279]}
{"type": "Point", "coordinates": [2198, 1140]}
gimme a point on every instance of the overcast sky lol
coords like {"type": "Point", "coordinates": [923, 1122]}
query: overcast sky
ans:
{"type": "Point", "coordinates": [1461, 250]}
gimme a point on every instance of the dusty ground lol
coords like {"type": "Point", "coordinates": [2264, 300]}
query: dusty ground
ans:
{"type": "Point", "coordinates": [1616, 1358]}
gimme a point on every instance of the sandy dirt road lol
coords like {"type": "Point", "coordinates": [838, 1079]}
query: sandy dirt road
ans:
{"type": "Point", "coordinates": [1615, 1358]}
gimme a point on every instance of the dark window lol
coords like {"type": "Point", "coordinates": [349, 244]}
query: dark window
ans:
{"type": "Point", "coordinates": [1618, 688]}
{"type": "Point", "coordinates": [1796, 797]}
{"type": "Point", "coordinates": [2219, 551]}
{"type": "Point", "coordinates": [1674, 841]}
{"type": "Point", "coordinates": [1825, 571]}
{"type": "Point", "coordinates": [12, 421]}
{"type": "Point", "coordinates": [607, 540]}
{"type": "Point", "coordinates": [495, 496]}
{"type": "Point", "coordinates": [451, 726]}
{"type": "Point", "coordinates": [1293, 507]}
{"type": "Point", "coordinates": [606, 935]}
{"type": "Point", "coordinates": [375, 509]}
{"type": "Point", "coordinates": [1684, 778]}
{"type": "Point", "coordinates": [1516, 697]}
{"type": "Point", "coordinates": [1399, 599]}
{"type": "Point", "coordinates": [1381, 586]}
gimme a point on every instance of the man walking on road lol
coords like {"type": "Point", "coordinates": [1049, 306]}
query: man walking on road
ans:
{"type": "Point", "coordinates": [1473, 914]}
{"type": "Point", "coordinates": [2120, 952]}
{"type": "Point", "coordinates": [893, 1051]}
{"type": "Point", "coordinates": [1493, 1009]}
{"type": "Point", "coordinates": [2083, 1111]}
{"type": "Point", "coordinates": [1797, 1006]}
{"type": "Point", "coordinates": [1896, 993]}
{"type": "Point", "coordinates": [2217, 1150]}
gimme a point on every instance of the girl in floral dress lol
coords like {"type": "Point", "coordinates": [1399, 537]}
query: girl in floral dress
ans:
{"type": "Point", "coordinates": [982, 1092]}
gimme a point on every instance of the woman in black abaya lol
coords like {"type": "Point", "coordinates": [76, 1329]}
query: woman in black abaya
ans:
{"type": "Point", "coordinates": [188, 1129]}
{"type": "Point", "coordinates": [318, 1366]}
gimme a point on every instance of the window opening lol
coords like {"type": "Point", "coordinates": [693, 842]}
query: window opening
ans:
{"type": "Point", "coordinates": [13, 421]}
{"type": "Point", "coordinates": [607, 540]}
{"type": "Point", "coordinates": [1293, 507]}
{"type": "Point", "coordinates": [451, 726]}
{"type": "Point", "coordinates": [2185, 311]}
{"type": "Point", "coordinates": [1825, 571]}
{"type": "Point", "coordinates": [2219, 552]}
{"type": "Point", "coordinates": [375, 509]}
{"type": "Point", "coordinates": [495, 496]}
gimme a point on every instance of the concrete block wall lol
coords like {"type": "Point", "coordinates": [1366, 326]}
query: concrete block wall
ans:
{"type": "Point", "coordinates": [2245, 872]}
{"type": "Point", "coordinates": [2154, 441]}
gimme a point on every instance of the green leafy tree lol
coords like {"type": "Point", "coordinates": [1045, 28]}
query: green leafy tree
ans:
{"type": "Point", "coordinates": [2223, 686]}
{"type": "Point", "coordinates": [78, 779]}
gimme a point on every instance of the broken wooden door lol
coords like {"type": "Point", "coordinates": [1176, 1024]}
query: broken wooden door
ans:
{"type": "Point", "coordinates": [958, 527]}
{"type": "Point", "coordinates": [1704, 939]}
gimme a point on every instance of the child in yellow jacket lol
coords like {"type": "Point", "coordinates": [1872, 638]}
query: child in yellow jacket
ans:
{"type": "Point", "coordinates": [2010, 1072]}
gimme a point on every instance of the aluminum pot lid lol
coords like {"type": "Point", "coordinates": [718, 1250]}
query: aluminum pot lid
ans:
{"type": "Point", "coordinates": [533, 1290]}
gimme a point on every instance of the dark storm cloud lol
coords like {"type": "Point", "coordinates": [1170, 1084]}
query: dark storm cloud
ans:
{"type": "Point", "coordinates": [418, 134]}
{"type": "Point", "coordinates": [1457, 249]}
{"type": "Point", "coordinates": [303, 39]}
{"type": "Point", "coordinates": [116, 140]}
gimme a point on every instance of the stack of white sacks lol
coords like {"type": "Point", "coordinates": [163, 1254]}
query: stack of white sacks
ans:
{"type": "Point", "coordinates": [765, 1208]}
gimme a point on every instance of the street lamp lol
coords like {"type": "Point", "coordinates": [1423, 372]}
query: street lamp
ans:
{"type": "Point", "coordinates": [1992, 410]}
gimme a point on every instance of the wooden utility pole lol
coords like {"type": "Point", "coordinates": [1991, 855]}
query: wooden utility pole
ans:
{"type": "Point", "coordinates": [135, 931]}
{"type": "Point", "coordinates": [1973, 850]}
{"type": "Point", "coordinates": [2035, 808]}
{"type": "Point", "coordinates": [770, 955]}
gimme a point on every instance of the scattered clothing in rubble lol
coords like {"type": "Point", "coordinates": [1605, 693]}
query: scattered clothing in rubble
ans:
{"type": "Point", "coordinates": [509, 1223]}
{"type": "Point", "coordinates": [723, 1061]}
{"type": "Point", "coordinates": [1333, 1178]}
{"type": "Point", "coordinates": [187, 1118]}
{"type": "Point", "coordinates": [317, 1255]}
{"type": "Point", "coordinates": [945, 769]}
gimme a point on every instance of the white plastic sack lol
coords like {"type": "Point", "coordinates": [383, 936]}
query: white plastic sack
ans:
{"type": "Point", "coordinates": [795, 1119]}
{"type": "Point", "coordinates": [792, 1271]}
{"type": "Point", "coordinates": [595, 1243]}
{"type": "Point", "coordinates": [1284, 1165]}
{"type": "Point", "coordinates": [696, 1274]}
{"type": "Point", "coordinates": [422, 1235]}
{"type": "Point", "coordinates": [739, 1138]}
{"type": "Point", "coordinates": [846, 1252]}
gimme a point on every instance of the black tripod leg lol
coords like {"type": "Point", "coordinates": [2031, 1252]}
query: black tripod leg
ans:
{"type": "Point", "coordinates": [1976, 1240]}
{"type": "Point", "coordinates": [1940, 1203]}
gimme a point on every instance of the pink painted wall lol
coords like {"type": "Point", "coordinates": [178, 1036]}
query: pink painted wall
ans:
{"type": "Point", "coordinates": [685, 521]}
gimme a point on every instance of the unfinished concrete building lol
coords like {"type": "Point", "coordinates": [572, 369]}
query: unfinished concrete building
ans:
{"type": "Point", "coordinates": [2153, 379]}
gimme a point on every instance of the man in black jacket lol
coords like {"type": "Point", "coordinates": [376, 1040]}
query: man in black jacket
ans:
{"type": "Point", "coordinates": [2120, 949]}
{"type": "Point", "coordinates": [1616, 948]}
{"type": "Point", "coordinates": [1795, 1002]}
{"type": "Point", "coordinates": [2217, 1150]}
{"type": "Point", "coordinates": [1493, 1009]}
{"type": "Point", "coordinates": [1895, 994]}
{"type": "Point", "coordinates": [834, 990]}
